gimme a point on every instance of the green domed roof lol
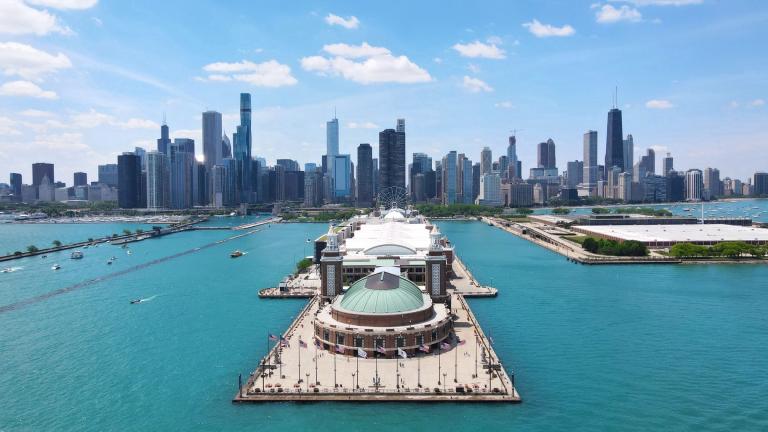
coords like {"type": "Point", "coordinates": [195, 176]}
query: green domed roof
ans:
{"type": "Point", "coordinates": [382, 292]}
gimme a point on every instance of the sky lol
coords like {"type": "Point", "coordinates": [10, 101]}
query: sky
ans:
{"type": "Point", "coordinates": [82, 81]}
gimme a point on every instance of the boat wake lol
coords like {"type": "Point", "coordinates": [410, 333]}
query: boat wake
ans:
{"type": "Point", "coordinates": [148, 299]}
{"type": "Point", "coordinates": [11, 269]}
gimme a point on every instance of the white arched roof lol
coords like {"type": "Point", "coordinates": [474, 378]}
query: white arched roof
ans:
{"type": "Point", "coordinates": [389, 249]}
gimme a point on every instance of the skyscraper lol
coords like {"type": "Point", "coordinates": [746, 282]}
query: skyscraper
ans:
{"type": "Point", "coordinates": [760, 183]}
{"type": "Point", "coordinates": [158, 187]}
{"type": "Point", "coordinates": [468, 189]}
{"type": "Point", "coordinates": [486, 160]}
{"type": "Point", "coordinates": [628, 149]}
{"type": "Point", "coordinates": [242, 150]}
{"type": "Point", "coordinates": [512, 157]}
{"type": "Point", "coordinates": [668, 164]}
{"type": "Point", "coordinates": [342, 181]}
{"type": "Point", "coordinates": [40, 170]}
{"type": "Point", "coordinates": [212, 139]}
{"type": "Point", "coordinates": [364, 175]}
{"type": "Point", "coordinates": [591, 175]}
{"type": "Point", "coordinates": [182, 174]}
{"type": "Point", "coordinates": [694, 185]}
{"type": "Point", "coordinates": [614, 142]}
{"type": "Point", "coordinates": [164, 141]}
{"type": "Point", "coordinates": [332, 137]}
{"type": "Point", "coordinates": [108, 174]}
{"type": "Point", "coordinates": [80, 179]}
{"type": "Point", "coordinates": [16, 186]}
{"type": "Point", "coordinates": [391, 159]}
{"type": "Point", "coordinates": [712, 184]}
{"type": "Point", "coordinates": [575, 170]}
{"type": "Point", "coordinates": [545, 155]}
{"type": "Point", "coordinates": [449, 180]}
{"type": "Point", "coordinates": [128, 180]}
{"type": "Point", "coordinates": [400, 125]}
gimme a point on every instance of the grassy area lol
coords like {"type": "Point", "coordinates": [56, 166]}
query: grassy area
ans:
{"type": "Point", "coordinates": [576, 238]}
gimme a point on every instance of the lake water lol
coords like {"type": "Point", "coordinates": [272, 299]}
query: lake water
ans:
{"type": "Point", "coordinates": [593, 348]}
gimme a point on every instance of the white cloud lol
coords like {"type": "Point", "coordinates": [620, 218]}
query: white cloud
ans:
{"type": "Point", "coordinates": [757, 102]}
{"type": "Point", "coordinates": [90, 119]}
{"type": "Point", "coordinates": [97, 21]}
{"type": "Point", "coordinates": [17, 18]}
{"type": "Point", "coordinates": [504, 104]}
{"type": "Point", "coordinates": [267, 74]}
{"type": "Point", "coordinates": [349, 23]}
{"type": "Point", "coordinates": [355, 51]}
{"type": "Point", "coordinates": [608, 14]}
{"type": "Point", "coordinates": [476, 85]}
{"type": "Point", "coordinates": [62, 141]}
{"type": "Point", "coordinates": [378, 66]}
{"type": "Point", "coordinates": [546, 30]}
{"type": "Point", "coordinates": [37, 113]}
{"type": "Point", "coordinates": [362, 125]}
{"type": "Point", "coordinates": [437, 60]}
{"type": "Point", "coordinates": [478, 49]}
{"type": "Point", "coordinates": [473, 68]}
{"type": "Point", "coordinates": [64, 4]}
{"type": "Point", "coordinates": [662, 2]}
{"type": "Point", "coordinates": [659, 104]}
{"type": "Point", "coordinates": [25, 88]}
{"type": "Point", "coordinates": [8, 127]}
{"type": "Point", "coordinates": [137, 123]}
{"type": "Point", "coordinates": [494, 40]}
{"type": "Point", "coordinates": [29, 62]}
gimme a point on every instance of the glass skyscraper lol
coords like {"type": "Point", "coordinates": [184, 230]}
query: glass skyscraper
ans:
{"type": "Point", "coordinates": [332, 137]}
{"type": "Point", "coordinates": [614, 141]}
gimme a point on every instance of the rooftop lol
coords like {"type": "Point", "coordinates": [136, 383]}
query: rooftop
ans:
{"type": "Point", "coordinates": [693, 233]}
{"type": "Point", "coordinates": [383, 291]}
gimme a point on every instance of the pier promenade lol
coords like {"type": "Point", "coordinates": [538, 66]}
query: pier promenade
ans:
{"type": "Point", "coordinates": [468, 372]}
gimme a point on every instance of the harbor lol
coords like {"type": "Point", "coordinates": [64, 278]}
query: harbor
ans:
{"type": "Point", "coordinates": [378, 336]}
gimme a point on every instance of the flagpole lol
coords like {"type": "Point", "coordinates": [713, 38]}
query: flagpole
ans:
{"type": "Point", "coordinates": [419, 369]}
{"type": "Point", "coordinates": [334, 368]}
{"type": "Point", "coordinates": [438, 363]}
{"type": "Point", "coordinates": [316, 382]}
{"type": "Point", "coordinates": [376, 356]}
{"type": "Point", "coordinates": [456, 362]}
{"type": "Point", "coordinates": [357, 369]}
{"type": "Point", "coordinates": [299, 361]}
{"type": "Point", "coordinates": [476, 343]}
{"type": "Point", "coordinates": [397, 371]}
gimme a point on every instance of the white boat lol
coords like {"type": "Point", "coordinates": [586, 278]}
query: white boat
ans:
{"type": "Point", "coordinates": [55, 267]}
{"type": "Point", "coordinates": [76, 255]}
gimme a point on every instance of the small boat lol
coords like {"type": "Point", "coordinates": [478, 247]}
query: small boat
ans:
{"type": "Point", "coordinates": [55, 267]}
{"type": "Point", "coordinates": [136, 301]}
{"type": "Point", "coordinates": [76, 255]}
{"type": "Point", "coordinates": [129, 252]}
{"type": "Point", "coordinates": [236, 254]}
{"type": "Point", "coordinates": [6, 270]}
{"type": "Point", "coordinates": [113, 258]}
{"type": "Point", "coordinates": [44, 256]}
{"type": "Point", "coordinates": [109, 262]}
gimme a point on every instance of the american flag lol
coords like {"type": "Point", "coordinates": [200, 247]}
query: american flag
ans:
{"type": "Point", "coordinates": [445, 346]}
{"type": "Point", "coordinates": [284, 343]}
{"type": "Point", "coordinates": [462, 342]}
{"type": "Point", "coordinates": [317, 344]}
{"type": "Point", "coordinates": [381, 350]}
{"type": "Point", "coordinates": [424, 348]}
{"type": "Point", "coordinates": [302, 344]}
{"type": "Point", "coordinates": [340, 349]}
{"type": "Point", "coordinates": [272, 337]}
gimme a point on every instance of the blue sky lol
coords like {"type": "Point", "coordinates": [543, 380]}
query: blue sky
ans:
{"type": "Point", "coordinates": [84, 80]}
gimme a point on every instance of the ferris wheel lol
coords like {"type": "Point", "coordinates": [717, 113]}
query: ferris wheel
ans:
{"type": "Point", "coordinates": [393, 197]}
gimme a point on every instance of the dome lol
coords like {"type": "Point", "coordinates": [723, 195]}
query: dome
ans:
{"type": "Point", "coordinates": [382, 292]}
{"type": "Point", "coordinates": [394, 214]}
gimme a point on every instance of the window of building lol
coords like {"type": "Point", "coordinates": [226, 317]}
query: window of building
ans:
{"type": "Point", "coordinates": [358, 341]}
{"type": "Point", "coordinates": [326, 335]}
{"type": "Point", "coordinates": [434, 335]}
{"type": "Point", "coordinates": [379, 342]}
{"type": "Point", "coordinates": [419, 339]}
{"type": "Point", "coordinates": [339, 339]}
{"type": "Point", "coordinates": [400, 341]}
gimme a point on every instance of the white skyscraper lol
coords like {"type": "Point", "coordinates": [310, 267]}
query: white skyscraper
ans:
{"type": "Point", "coordinates": [591, 174]}
{"type": "Point", "coordinates": [212, 139]}
{"type": "Point", "coordinates": [332, 137]}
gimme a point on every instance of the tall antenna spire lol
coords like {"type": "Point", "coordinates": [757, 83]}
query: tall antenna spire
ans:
{"type": "Point", "coordinates": [616, 96]}
{"type": "Point", "coordinates": [334, 111]}
{"type": "Point", "coordinates": [164, 123]}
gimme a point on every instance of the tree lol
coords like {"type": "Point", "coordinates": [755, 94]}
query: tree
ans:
{"type": "Point", "coordinates": [561, 211]}
{"type": "Point", "coordinates": [139, 231]}
{"type": "Point", "coordinates": [127, 231]}
{"type": "Point", "coordinates": [600, 210]}
{"type": "Point", "coordinates": [523, 211]}
{"type": "Point", "coordinates": [32, 248]}
{"type": "Point", "coordinates": [56, 243]}
{"type": "Point", "coordinates": [303, 265]}
{"type": "Point", "coordinates": [590, 245]}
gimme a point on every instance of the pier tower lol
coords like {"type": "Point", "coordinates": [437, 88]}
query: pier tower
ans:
{"type": "Point", "coordinates": [435, 282]}
{"type": "Point", "coordinates": [331, 275]}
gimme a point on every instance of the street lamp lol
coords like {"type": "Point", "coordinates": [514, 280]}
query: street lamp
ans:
{"type": "Point", "coordinates": [307, 374]}
{"type": "Point", "coordinates": [353, 381]}
{"type": "Point", "coordinates": [444, 375]}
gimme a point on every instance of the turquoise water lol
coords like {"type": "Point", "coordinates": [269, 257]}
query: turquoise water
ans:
{"type": "Point", "coordinates": [593, 348]}
{"type": "Point", "coordinates": [15, 237]}
{"type": "Point", "coordinates": [735, 208]}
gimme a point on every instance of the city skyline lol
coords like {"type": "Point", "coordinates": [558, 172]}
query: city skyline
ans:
{"type": "Point", "coordinates": [492, 77]}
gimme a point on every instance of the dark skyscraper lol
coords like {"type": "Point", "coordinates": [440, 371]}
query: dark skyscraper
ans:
{"type": "Point", "coordinates": [392, 158]}
{"type": "Point", "coordinates": [545, 155]}
{"type": "Point", "coordinates": [164, 142]}
{"type": "Point", "coordinates": [364, 175]}
{"type": "Point", "coordinates": [16, 186]}
{"type": "Point", "coordinates": [40, 170]}
{"type": "Point", "coordinates": [614, 141]}
{"type": "Point", "coordinates": [242, 150]}
{"type": "Point", "coordinates": [129, 180]}
{"type": "Point", "coordinates": [668, 164]}
{"type": "Point", "coordinates": [80, 179]}
{"type": "Point", "coordinates": [108, 174]}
